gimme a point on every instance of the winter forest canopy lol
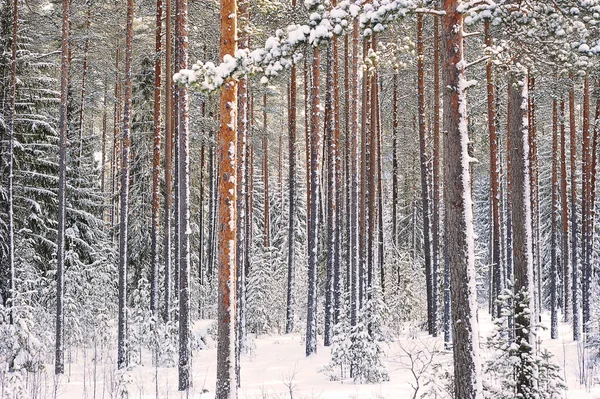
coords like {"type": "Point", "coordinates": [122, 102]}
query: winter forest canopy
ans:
{"type": "Point", "coordinates": [318, 199]}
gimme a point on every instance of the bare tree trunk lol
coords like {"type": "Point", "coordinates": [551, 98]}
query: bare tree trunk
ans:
{"type": "Point", "coordinates": [241, 237]}
{"type": "Point", "coordinates": [289, 324]}
{"type": "Point", "coordinates": [10, 190]}
{"type": "Point", "coordinates": [267, 228]}
{"type": "Point", "coordinates": [586, 227]}
{"type": "Point", "coordinates": [395, 159]}
{"type": "Point", "coordinates": [168, 157]}
{"type": "Point", "coordinates": [574, 262]}
{"type": "Point", "coordinates": [184, 201]}
{"type": "Point", "coordinates": [494, 181]}
{"type": "Point", "coordinates": [461, 259]}
{"type": "Point", "coordinates": [116, 121]}
{"type": "Point", "coordinates": [156, 159]}
{"type": "Point", "coordinates": [59, 366]}
{"type": "Point", "coordinates": [354, 237]}
{"type": "Point", "coordinates": [86, 47]}
{"type": "Point", "coordinates": [424, 174]}
{"type": "Point", "coordinates": [103, 161]}
{"type": "Point", "coordinates": [521, 207]}
{"type": "Point", "coordinates": [554, 223]}
{"type": "Point", "coordinates": [122, 358]}
{"type": "Point", "coordinates": [364, 173]}
{"type": "Point", "coordinates": [313, 232]}
{"type": "Point", "coordinates": [566, 264]}
{"type": "Point", "coordinates": [435, 236]}
{"type": "Point", "coordinates": [227, 146]}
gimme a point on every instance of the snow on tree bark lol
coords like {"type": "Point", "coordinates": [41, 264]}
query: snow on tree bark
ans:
{"type": "Point", "coordinates": [575, 283]}
{"type": "Point", "coordinates": [227, 147]}
{"type": "Point", "coordinates": [10, 189]}
{"type": "Point", "coordinates": [122, 358]}
{"type": "Point", "coordinates": [566, 264]}
{"type": "Point", "coordinates": [313, 232]}
{"type": "Point", "coordinates": [554, 226]}
{"type": "Point", "coordinates": [522, 227]}
{"type": "Point", "coordinates": [461, 257]}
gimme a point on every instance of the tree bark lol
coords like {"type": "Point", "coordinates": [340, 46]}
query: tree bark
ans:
{"type": "Point", "coordinates": [435, 236]}
{"type": "Point", "coordinates": [566, 264]}
{"type": "Point", "coordinates": [425, 206]}
{"type": "Point", "coordinates": [122, 358]}
{"type": "Point", "coordinates": [154, 291]}
{"type": "Point", "coordinates": [267, 218]}
{"type": "Point", "coordinates": [522, 228]}
{"type": "Point", "coordinates": [554, 226]}
{"type": "Point", "coordinates": [227, 146]}
{"type": "Point", "coordinates": [574, 263]}
{"type": "Point", "coordinates": [168, 158]}
{"type": "Point", "coordinates": [465, 328]}
{"type": "Point", "coordinates": [586, 202]}
{"type": "Point", "coordinates": [313, 232]}
{"type": "Point", "coordinates": [289, 326]}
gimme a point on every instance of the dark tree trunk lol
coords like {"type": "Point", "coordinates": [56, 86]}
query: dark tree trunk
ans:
{"type": "Point", "coordinates": [574, 263]}
{"type": "Point", "coordinates": [554, 223]}
{"type": "Point", "coordinates": [267, 217]}
{"type": "Point", "coordinates": [425, 207]}
{"type": "Point", "coordinates": [289, 325]}
{"type": "Point", "coordinates": [168, 158]}
{"type": "Point", "coordinates": [435, 229]}
{"type": "Point", "coordinates": [566, 264]}
{"type": "Point", "coordinates": [586, 227]}
{"type": "Point", "coordinates": [122, 358]}
{"type": "Point", "coordinates": [156, 159]}
{"type": "Point", "coordinates": [313, 233]}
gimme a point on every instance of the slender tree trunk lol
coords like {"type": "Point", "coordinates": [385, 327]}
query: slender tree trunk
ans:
{"type": "Point", "coordinates": [534, 186]}
{"type": "Point", "coordinates": [156, 159]}
{"type": "Point", "coordinates": [86, 47]}
{"type": "Point", "coordinates": [122, 358]}
{"type": "Point", "coordinates": [267, 227]}
{"type": "Point", "coordinates": [289, 324]}
{"type": "Point", "coordinates": [116, 121]}
{"type": "Point", "coordinates": [354, 237]}
{"type": "Point", "coordinates": [103, 161]}
{"type": "Point", "coordinates": [10, 190]}
{"type": "Point", "coordinates": [168, 157]}
{"type": "Point", "coordinates": [313, 233]}
{"type": "Point", "coordinates": [509, 217]}
{"type": "Point", "coordinates": [184, 201]}
{"type": "Point", "coordinates": [586, 163]}
{"type": "Point", "coordinates": [495, 275]}
{"type": "Point", "coordinates": [574, 262]}
{"type": "Point", "coordinates": [364, 173]}
{"type": "Point", "coordinates": [424, 174]}
{"type": "Point", "coordinates": [59, 366]}
{"type": "Point", "coordinates": [380, 247]}
{"type": "Point", "coordinates": [395, 159]}
{"type": "Point", "coordinates": [554, 223]}
{"type": "Point", "coordinates": [241, 239]}
{"type": "Point", "coordinates": [522, 249]}
{"type": "Point", "coordinates": [372, 180]}
{"type": "Point", "coordinates": [566, 264]}
{"type": "Point", "coordinates": [435, 236]}
{"type": "Point", "coordinates": [337, 264]}
{"type": "Point", "coordinates": [465, 328]}
{"type": "Point", "coordinates": [331, 199]}
{"type": "Point", "coordinates": [227, 146]}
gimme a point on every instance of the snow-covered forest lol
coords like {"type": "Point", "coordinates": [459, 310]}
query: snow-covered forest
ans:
{"type": "Point", "coordinates": [283, 199]}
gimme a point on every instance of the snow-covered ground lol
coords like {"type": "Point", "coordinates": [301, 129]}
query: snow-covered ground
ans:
{"type": "Point", "coordinates": [276, 368]}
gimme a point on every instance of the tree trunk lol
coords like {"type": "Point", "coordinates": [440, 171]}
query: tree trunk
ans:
{"type": "Point", "coordinates": [122, 358]}
{"type": "Point", "coordinates": [461, 258]}
{"type": "Point", "coordinates": [289, 324]}
{"type": "Point", "coordinates": [184, 201]}
{"type": "Point", "coordinates": [156, 159]}
{"type": "Point", "coordinates": [267, 228]}
{"type": "Point", "coordinates": [554, 223]}
{"type": "Point", "coordinates": [395, 159]}
{"type": "Point", "coordinates": [59, 366]}
{"type": "Point", "coordinates": [521, 210]}
{"type": "Point", "coordinates": [566, 264]}
{"type": "Point", "coordinates": [495, 275]}
{"type": "Point", "coordinates": [431, 306]}
{"type": "Point", "coordinates": [574, 263]}
{"type": "Point", "coordinates": [242, 124]}
{"type": "Point", "coordinates": [313, 232]}
{"type": "Point", "coordinates": [586, 227]}
{"type": "Point", "coordinates": [86, 47]}
{"type": "Point", "coordinates": [10, 297]}
{"type": "Point", "coordinates": [168, 158]}
{"type": "Point", "coordinates": [354, 237]}
{"type": "Point", "coordinates": [227, 146]}
{"type": "Point", "coordinates": [435, 236]}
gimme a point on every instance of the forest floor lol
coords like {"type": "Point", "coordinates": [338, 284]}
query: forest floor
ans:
{"type": "Point", "coordinates": [276, 368]}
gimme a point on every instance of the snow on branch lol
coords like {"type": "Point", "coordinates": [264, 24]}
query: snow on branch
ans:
{"type": "Point", "coordinates": [284, 49]}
